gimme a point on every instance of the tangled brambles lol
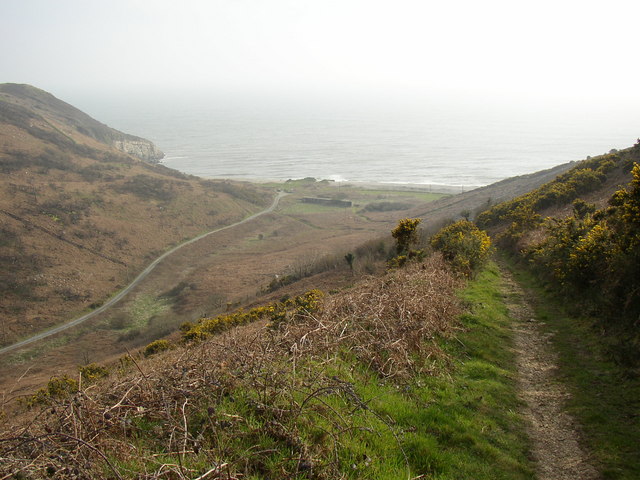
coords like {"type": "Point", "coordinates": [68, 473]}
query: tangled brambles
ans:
{"type": "Point", "coordinates": [388, 322]}
{"type": "Point", "coordinates": [279, 401]}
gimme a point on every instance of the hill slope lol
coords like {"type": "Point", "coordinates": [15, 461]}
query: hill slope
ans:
{"type": "Point", "coordinates": [42, 113]}
{"type": "Point", "coordinates": [381, 380]}
{"type": "Point", "coordinates": [80, 217]}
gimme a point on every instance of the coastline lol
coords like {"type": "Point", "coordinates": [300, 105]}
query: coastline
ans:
{"type": "Point", "coordinates": [410, 187]}
{"type": "Point", "coordinates": [390, 186]}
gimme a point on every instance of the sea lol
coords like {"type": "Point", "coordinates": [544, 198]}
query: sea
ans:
{"type": "Point", "coordinates": [434, 144]}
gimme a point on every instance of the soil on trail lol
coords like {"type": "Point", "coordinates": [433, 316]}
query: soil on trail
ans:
{"type": "Point", "coordinates": [554, 433]}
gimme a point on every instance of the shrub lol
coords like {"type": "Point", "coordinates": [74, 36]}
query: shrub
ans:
{"type": "Point", "coordinates": [463, 245]}
{"type": "Point", "coordinates": [406, 234]}
{"type": "Point", "coordinates": [277, 313]}
{"type": "Point", "coordinates": [349, 258]}
{"type": "Point", "coordinates": [385, 207]}
{"type": "Point", "coordinates": [242, 191]}
{"type": "Point", "coordinates": [400, 261]}
{"type": "Point", "coordinates": [57, 388]}
{"type": "Point", "coordinates": [92, 372]}
{"type": "Point", "coordinates": [156, 347]}
{"type": "Point", "coordinates": [581, 208]}
{"type": "Point", "coordinates": [593, 258]}
{"type": "Point", "coordinates": [148, 188]}
{"type": "Point", "coordinates": [521, 219]}
{"type": "Point", "coordinates": [585, 177]}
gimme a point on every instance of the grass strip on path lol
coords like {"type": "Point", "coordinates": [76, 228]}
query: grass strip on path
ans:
{"type": "Point", "coordinates": [462, 422]}
{"type": "Point", "coordinates": [470, 421]}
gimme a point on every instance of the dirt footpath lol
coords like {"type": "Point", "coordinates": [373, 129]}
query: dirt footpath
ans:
{"type": "Point", "coordinates": [554, 433]}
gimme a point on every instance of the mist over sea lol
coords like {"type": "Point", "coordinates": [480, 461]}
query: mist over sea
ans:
{"type": "Point", "coordinates": [437, 143]}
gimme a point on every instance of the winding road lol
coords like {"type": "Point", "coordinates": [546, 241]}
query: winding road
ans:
{"type": "Point", "coordinates": [115, 299]}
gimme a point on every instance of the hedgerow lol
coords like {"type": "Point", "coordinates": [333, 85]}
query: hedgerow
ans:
{"type": "Point", "coordinates": [593, 258]}
{"type": "Point", "coordinates": [276, 313]}
{"type": "Point", "coordinates": [522, 213]}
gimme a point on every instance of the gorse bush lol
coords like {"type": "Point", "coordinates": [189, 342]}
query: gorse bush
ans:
{"type": "Point", "coordinates": [92, 372]}
{"type": "Point", "coordinates": [463, 245]}
{"type": "Point", "coordinates": [406, 234]}
{"type": "Point", "coordinates": [156, 346]}
{"type": "Point", "coordinates": [591, 259]}
{"type": "Point", "coordinates": [58, 388]}
{"type": "Point", "coordinates": [401, 260]}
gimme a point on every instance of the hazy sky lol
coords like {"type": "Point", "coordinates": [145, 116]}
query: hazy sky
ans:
{"type": "Point", "coordinates": [513, 49]}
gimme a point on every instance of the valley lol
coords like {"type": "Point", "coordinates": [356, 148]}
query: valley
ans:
{"type": "Point", "coordinates": [82, 220]}
{"type": "Point", "coordinates": [235, 267]}
{"type": "Point", "coordinates": [220, 329]}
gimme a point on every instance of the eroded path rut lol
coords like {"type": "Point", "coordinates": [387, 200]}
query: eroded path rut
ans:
{"type": "Point", "coordinates": [553, 432]}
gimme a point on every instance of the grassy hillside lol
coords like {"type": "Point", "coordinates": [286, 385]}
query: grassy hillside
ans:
{"type": "Point", "coordinates": [374, 382]}
{"type": "Point", "coordinates": [406, 374]}
{"type": "Point", "coordinates": [80, 218]}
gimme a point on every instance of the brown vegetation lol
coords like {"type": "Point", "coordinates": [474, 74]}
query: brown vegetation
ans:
{"type": "Point", "coordinates": [81, 220]}
{"type": "Point", "coordinates": [276, 376]}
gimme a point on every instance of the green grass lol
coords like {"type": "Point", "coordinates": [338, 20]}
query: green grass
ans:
{"type": "Point", "coordinates": [388, 195]}
{"type": "Point", "coordinates": [27, 354]}
{"type": "Point", "coordinates": [143, 309]}
{"type": "Point", "coordinates": [355, 192]}
{"type": "Point", "coordinates": [298, 207]}
{"type": "Point", "coordinates": [605, 397]}
{"type": "Point", "coordinates": [472, 414]}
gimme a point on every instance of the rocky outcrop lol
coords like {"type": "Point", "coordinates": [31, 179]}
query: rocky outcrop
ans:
{"type": "Point", "coordinates": [141, 148]}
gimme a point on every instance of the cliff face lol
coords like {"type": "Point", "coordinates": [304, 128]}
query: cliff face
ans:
{"type": "Point", "coordinates": [141, 148]}
{"type": "Point", "coordinates": [66, 119]}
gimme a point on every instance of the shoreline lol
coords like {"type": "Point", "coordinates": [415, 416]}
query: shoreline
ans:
{"type": "Point", "coordinates": [409, 187]}
{"type": "Point", "coordinates": [390, 186]}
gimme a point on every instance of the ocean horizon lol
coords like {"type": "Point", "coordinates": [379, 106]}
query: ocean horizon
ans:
{"type": "Point", "coordinates": [449, 145]}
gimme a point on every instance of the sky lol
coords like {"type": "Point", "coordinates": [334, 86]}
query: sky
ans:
{"type": "Point", "coordinates": [513, 51]}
